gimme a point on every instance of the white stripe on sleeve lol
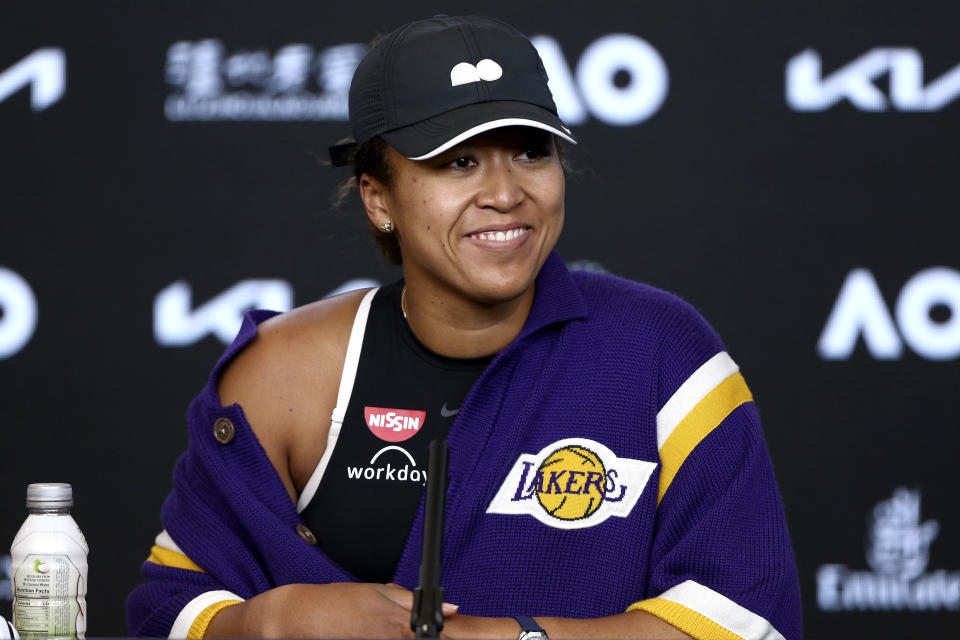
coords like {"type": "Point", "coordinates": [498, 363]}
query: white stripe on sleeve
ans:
{"type": "Point", "coordinates": [181, 626]}
{"type": "Point", "coordinates": [722, 610]}
{"type": "Point", "coordinates": [691, 392]}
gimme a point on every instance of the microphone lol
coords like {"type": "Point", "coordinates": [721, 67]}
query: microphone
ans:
{"type": "Point", "coordinates": [426, 618]}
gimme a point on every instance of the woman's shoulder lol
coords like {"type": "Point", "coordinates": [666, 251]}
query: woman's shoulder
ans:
{"type": "Point", "coordinates": [285, 379]}
{"type": "Point", "coordinates": [291, 349]}
{"type": "Point", "coordinates": [616, 299]}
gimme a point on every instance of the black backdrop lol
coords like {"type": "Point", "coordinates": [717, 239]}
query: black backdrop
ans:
{"type": "Point", "coordinates": [159, 172]}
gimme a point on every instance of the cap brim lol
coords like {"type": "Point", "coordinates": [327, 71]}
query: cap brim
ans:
{"type": "Point", "coordinates": [432, 137]}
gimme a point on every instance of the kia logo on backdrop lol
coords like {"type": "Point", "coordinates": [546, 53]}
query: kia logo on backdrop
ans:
{"type": "Point", "coordinates": [619, 79]}
{"type": "Point", "coordinates": [897, 551]}
{"type": "Point", "coordinates": [926, 317]}
{"type": "Point", "coordinates": [177, 323]}
{"type": "Point", "coordinates": [44, 71]}
{"type": "Point", "coordinates": [808, 89]}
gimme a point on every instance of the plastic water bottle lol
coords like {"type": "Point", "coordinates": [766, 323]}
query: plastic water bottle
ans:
{"type": "Point", "coordinates": [49, 567]}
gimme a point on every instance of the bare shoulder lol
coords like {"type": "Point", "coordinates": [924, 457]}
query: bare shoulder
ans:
{"type": "Point", "coordinates": [286, 382]}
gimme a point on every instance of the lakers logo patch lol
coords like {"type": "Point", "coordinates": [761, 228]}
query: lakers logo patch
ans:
{"type": "Point", "coordinates": [572, 484]}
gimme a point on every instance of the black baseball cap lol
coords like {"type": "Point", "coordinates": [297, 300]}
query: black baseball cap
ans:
{"type": "Point", "coordinates": [433, 83]}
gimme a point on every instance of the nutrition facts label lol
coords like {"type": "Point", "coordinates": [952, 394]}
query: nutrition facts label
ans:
{"type": "Point", "coordinates": [46, 587]}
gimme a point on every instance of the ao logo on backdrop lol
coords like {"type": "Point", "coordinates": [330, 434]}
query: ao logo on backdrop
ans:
{"type": "Point", "coordinates": [620, 79]}
{"type": "Point", "coordinates": [18, 313]}
{"type": "Point", "coordinates": [919, 314]}
{"type": "Point", "coordinates": [807, 89]}
{"type": "Point", "coordinates": [44, 71]}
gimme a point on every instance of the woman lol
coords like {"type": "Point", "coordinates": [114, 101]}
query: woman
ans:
{"type": "Point", "coordinates": [607, 470]}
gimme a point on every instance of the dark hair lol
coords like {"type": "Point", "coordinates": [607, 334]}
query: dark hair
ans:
{"type": "Point", "coordinates": [371, 157]}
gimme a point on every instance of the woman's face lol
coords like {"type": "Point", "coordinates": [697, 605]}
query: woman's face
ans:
{"type": "Point", "coordinates": [478, 220]}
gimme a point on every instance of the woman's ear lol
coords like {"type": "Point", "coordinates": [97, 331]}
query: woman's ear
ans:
{"type": "Point", "coordinates": [373, 193]}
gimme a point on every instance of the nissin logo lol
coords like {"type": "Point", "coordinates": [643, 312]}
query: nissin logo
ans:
{"type": "Point", "coordinates": [393, 425]}
{"type": "Point", "coordinates": [927, 314]}
{"type": "Point", "coordinates": [809, 90]}
{"type": "Point", "coordinates": [572, 484]}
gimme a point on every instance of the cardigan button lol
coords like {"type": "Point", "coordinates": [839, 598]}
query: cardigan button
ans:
{"type": "Point", "coordinates": [304, 532]}
{"type": "Point", "coordinates": [223, 430]}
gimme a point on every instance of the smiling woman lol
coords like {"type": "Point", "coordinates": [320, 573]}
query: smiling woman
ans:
{"type": "Point", "coordinates": [475, 225]}
{"type": "Point", "coordinates": [607, 469]}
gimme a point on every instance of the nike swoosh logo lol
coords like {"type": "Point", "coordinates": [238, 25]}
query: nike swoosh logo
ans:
{"type": "Point", "coordinates": [447, 413]}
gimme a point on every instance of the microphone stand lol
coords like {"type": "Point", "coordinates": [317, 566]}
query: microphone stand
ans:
{"type": "Point", "coordinates": [426, 618]}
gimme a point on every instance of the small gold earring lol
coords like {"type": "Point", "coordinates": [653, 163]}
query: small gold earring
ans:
{"type": "Point", "coordinates": [387, 227]}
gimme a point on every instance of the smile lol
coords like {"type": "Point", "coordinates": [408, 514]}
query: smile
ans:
{"type": "Point", "coordinates": [500, 236]}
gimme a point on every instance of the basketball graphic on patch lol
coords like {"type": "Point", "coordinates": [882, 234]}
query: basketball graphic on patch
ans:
{"type": "Point", "coordinates": [570, 483]}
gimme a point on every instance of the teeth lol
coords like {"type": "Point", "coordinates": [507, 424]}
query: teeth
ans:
{"type": "Point", "coordinates": [499, 236]}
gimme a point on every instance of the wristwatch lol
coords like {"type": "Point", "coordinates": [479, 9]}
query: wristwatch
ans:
{"type": "Point", "coordinates": [529, 629]}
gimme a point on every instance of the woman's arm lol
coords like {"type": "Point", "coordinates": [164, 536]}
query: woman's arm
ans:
{"type": "Point", "coordinates": [630, 624]}
{"type": "Point", "coordinates": [338, 610]}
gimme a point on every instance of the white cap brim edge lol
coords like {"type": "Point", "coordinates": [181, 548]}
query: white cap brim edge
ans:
{"type": "Point", "coordinates": [494, 124]}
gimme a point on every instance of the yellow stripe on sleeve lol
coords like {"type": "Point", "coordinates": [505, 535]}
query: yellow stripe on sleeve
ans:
{"type": "Point", "coordinates": [697, 424]}
{"type": "Point", "coordinates": [687, 620]}
{"type": "Point", "coordinates": [202, 621]}
{"type": "Point", "coordinates": [168, 558]}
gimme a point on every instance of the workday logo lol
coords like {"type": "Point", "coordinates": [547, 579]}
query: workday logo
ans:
{"type": "Point", "coordinates": [898, 551]}
{"type": "Point", "coordinates": [465, 73]}
{"type": "Point", "coordinates": [572, 484]}
{"type": "Point", "coordinates": [294, 83]}
{"type": "Point", "coordinates": [390, 464]}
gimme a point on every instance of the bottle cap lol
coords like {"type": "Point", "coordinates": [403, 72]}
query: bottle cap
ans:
{"type": "Point", "coordinates": [49, 495]}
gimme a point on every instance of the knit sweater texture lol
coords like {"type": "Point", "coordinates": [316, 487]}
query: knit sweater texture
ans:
{"type": "Point", "coordinates": [597, 360]}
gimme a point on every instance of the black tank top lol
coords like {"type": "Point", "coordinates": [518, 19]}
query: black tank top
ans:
{"type": "Point", "coordinates": [403, 397]}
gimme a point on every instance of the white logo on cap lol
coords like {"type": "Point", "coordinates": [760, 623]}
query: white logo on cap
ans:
{"type": "Point", "coordinates": [465, 73]}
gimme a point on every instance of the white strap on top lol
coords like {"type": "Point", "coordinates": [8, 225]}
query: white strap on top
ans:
{"type": "Point", "coordinates": [347, 377]}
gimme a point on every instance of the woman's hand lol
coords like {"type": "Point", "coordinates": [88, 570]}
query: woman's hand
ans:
{"type": "Point", "coordinates": [337, 610]}
{"type": "Point", "coordinates": [630, 625]}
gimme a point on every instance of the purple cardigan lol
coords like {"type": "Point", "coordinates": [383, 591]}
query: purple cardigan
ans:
{"type": "Point", "coordinates": [589, 376]}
